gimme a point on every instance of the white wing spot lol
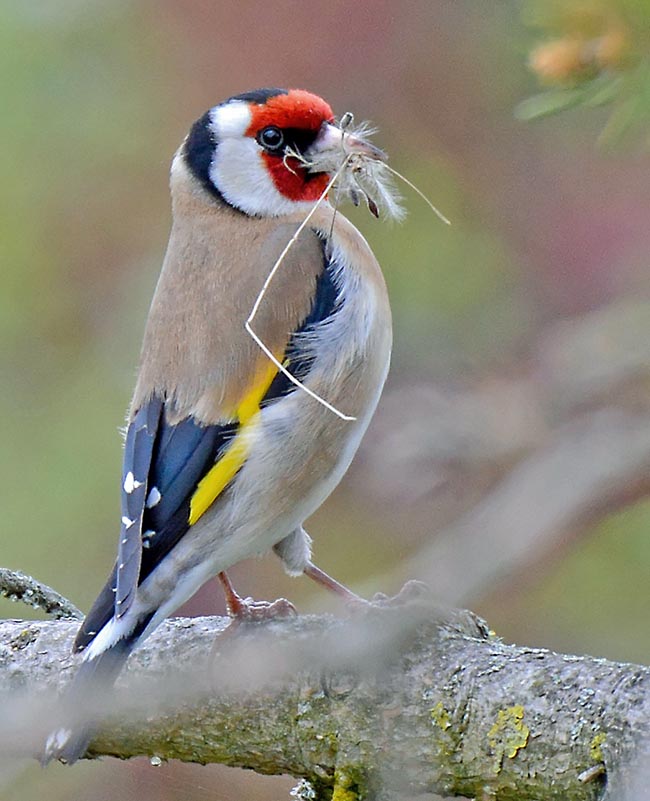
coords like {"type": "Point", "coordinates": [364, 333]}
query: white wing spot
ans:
{"type": "Point", "coordinates": [153, 498]}
{"type": "Point", "coordinates": [130, 483]}
{"type": "Point", "coordinates": [127, 522]}
{"type": "Point", "coordinates": [147, 537]}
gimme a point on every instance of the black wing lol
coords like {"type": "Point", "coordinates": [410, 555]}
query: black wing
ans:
{"type": "Point", "coordinates": [163, 463]}
{"type": "Point", "coordinates": [138, 449]}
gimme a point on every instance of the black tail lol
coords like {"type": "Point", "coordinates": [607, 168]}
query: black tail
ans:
{"type": "Point", "coordinates": [93, 680]}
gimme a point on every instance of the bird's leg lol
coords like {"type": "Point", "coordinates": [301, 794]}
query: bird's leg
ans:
{"type": "Point", "coordinates": [411, 591]}
{"type": "Point", "coordinates": [295, 552]}
{"type": "Point", "coordinates": [331, 584]}
{"type": "Point", "coordinates": [246, 610]}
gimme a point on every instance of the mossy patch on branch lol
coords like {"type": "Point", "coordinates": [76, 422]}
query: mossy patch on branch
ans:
{"type": "Point", "coordinates": [508, 734]}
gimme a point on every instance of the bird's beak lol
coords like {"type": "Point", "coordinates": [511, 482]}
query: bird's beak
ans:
{"type": "Point", "coordinates": [332, 145]}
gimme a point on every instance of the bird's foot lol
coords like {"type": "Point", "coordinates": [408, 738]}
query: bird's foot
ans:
{"type": "Point", "coordinates": [242, 611]}
{"type": "Point", "coordinates": [246, 610]}
{"type": "Point", "coordinates": [412, 591]}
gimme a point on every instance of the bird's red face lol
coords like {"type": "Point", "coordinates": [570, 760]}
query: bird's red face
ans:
{"type": "Point", "coordinates": [293, 120]}
{"type": "Point", "coordinates": [254, 150]}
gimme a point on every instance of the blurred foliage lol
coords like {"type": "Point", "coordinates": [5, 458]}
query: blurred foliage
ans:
{"type": "Point", "coordinates": [592, 53]}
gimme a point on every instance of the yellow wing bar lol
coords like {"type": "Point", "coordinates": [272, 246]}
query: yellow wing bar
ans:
{"type": "Point", "coordinates": [218, 477]}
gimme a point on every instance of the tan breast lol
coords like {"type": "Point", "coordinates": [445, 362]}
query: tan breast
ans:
{"type": "Point", "coordinates": [196, 351]}
{"type": "Point", "coordinates": [195, 344]}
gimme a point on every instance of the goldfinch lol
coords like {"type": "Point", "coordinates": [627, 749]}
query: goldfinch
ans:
{"type": "Point", "coordinates": [234, 440]}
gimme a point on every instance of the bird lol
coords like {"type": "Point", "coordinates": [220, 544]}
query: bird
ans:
{"type": "Point", "coordinates": [232, 440]}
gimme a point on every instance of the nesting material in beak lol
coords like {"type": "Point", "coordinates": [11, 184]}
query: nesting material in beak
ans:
{"type": "Point", "coordinates": [332, 140]}
{"type": "Point", "coordinates": [362, 168]}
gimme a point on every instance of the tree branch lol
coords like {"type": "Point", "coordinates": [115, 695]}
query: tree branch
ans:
{"type": "Point", "coordinates": [19, 587]}
{"type": "Point", "coordinates": [399, 700]}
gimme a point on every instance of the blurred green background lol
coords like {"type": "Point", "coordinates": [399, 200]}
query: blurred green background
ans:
{"type": "Point", "coordinates": [508, 315]}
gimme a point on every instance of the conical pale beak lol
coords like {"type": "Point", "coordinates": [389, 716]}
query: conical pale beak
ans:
{"type": "Point", "coordinates": [335, 143]}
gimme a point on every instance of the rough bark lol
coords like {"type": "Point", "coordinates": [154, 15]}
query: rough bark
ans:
{"type": "Point", "coordinates": [395, 702]}
{"type": "Point", "coordinates": [17, 586]}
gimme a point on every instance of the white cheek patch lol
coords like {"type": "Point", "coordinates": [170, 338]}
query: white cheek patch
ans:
{"type": "Point", "coordinates": [231, 120]}
{"type": "Point", "coordinates": [239, 172]}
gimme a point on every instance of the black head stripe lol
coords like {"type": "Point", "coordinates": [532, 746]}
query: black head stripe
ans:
{"type": "Point", "coordinates": [199, 151]}
{"type": "Point", "coordinates": [201, 143]}
{"type": "Point", "coordinates": [259, 96]}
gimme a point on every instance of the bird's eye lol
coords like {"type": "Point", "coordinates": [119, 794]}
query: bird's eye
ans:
{"type": "Point", "coordinates": [271, 138]}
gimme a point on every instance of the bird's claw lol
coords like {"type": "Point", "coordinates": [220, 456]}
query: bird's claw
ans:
{"type": "Point", "coordinates": [412, 591]}
{"type": "Point", "coordinates": [247, 610]}
{"type": "Point", "coordinates": [243, 611]}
